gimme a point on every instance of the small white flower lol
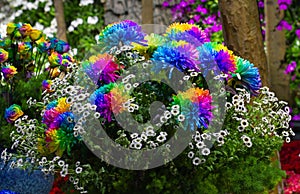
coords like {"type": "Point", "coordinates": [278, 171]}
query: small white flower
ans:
{"type": "Point", "coordinates": [196, 161]}
{"type": "Point", "coordinates": [205, 151]}
{"type": "Point", "coordinates": [78, 170]}
{"type": "Point", "coordinates": [161, 138]}
{"type": "Point", "coordinates": [191, 154]}
{"type": "Point", "coordinates": [181, 117]}
{"type": "Point", "coordinates": [92, 20]}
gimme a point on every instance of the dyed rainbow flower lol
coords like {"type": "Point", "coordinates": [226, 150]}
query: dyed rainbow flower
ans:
{"type": "Point", "coordinates": [55, 59]}
{"type": "Point", "coordinates": [9, 71]}
{"type": "Point", "coordinates": [196, 106]}
{"type": "Point", "coordinates": [102, 69]}
{"type": "Point", "coordinates": [246, 75]}
{"type": "Point", "coordinates": [190, 33]}
{"type": "Point", "coordinates": [12, 113]}
{"type": "Point", "coordinates": [46, 84]}
{"type": "Point", "coordinates": [169, 57]}
{"type": "Point", "coordinates": [3, 55]}
{"type": "Point", "coordinates": [59, 45]}
{"type": "Point", "coordinates": [121, 33]}
{"type": "Point", "coordinates": [109, 100]}
{"type": "Point", "coordinates": [214, 58]}
{"type": "Point", "coordinates": [25, 29]}
{"type": "Point", "coordinates": [24, 47]}
{"type": "Point", "coordinates": [60, 123]}
{"type": "Point", "coordinates": [153, 41]}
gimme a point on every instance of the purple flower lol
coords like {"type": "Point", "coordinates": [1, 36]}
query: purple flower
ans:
{"type": "Point", "coordinates": [201, 9]}
{"type": "Point", "coordinates": [197, 18]}
{"type": "Point", "coordinates": [296, 117]}
{"type": "Point", "coordinates": [183, 4]}
{"type": "Point", "coordinates": [283, 4]}
{"type": "Point", "coordinates": [284, 25]}
{"type": "Point", "coordinates": [298, 33]}
{"type": "Point", "coordinates": [291, 67]}
{"type": "Point", "coordinates": [260, 4]}
{"type": "Point", "coordinates": [210, 20]}
{"type": "Point", "coordinates": [165, 4]}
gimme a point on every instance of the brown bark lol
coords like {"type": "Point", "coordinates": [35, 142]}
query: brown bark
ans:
{"type": "Point", "coordinates": [147, 11]}
{"type": "Point", "coordinates": [275, 43]}
{"type": "Point", "coordinates": [60, 18]}
{"type": "Point", "coordinates": [242, 32]}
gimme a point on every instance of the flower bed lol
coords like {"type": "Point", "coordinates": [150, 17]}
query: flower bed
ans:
{"type": "Point", "coordinates": [164, 109]}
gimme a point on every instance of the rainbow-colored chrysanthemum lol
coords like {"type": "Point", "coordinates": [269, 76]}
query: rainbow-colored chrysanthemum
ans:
{"type": "Point", "coordinates": [8, 71]}
{"type": "Point", "coordinates": [184, 57]}
{"type": "Point", "coordinates": [216, 58]}
{"type": "Point", "coordinates": [12, 113]}
{"type": "Point", "coordinates": [196, 106]}
{"type": "Point", "coordinates": [3, 55]}
{"type": "Point", "coordinates": [102, 69]}
{"type": "Point", "coordinates": [190, 33]}
{"type": "Point", "coordinates": [109, 100]}
{"type": "Point", "coordinates": [121, 33]}
{"type": "Point", "coordinates": [247, 75]}
{"type": "Point", "coordinates": [60, 123]}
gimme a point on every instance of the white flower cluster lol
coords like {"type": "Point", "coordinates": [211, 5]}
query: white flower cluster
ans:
{"type": "Point", "coordinates": [85, 2]}
{"type": "Point", "coordinates": [14, 8]}
{"type": "Point", "coordinates": [201, 144]}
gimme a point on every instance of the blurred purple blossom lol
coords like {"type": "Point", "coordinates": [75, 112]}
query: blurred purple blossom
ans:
{"type": "Point", "coordinates": [210, 19]}
{"type": "Point", "coordinates": [298, 33]}
{"type": "Point", "coordinates": [283, 4]}
{"type": "Point", "coordinates": [284, 25]}
{"type": "Point", "coordinates": [296, 117]}
{"type": "Point", "coordinates": [291, 67]}
{"type": "Point", "coordinates": [201, 9]}
{"type": "Point", "coordinates": [261, 4]}
{"type": "Point", "coordinates": [197, 18]}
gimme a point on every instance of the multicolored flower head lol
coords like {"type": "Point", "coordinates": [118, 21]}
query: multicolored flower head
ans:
{"type": "Point", "coordinates": [12, 113]}
{"type": "Point", "coordinates": [216, 58]}
{"type": "Point", "coordinates": [169, 57]}
{"type": "Point", "coordinates": [121, 33]}
{"type": "Point", "coordinates": [55, 59]}
{"type": "Point", "coordinates": [109, 100]}
{"type": "Point", "coordinates": [187, 32]}
{"type": "Point", "coordinates": [247, 75]}
{"type": "Point", "coordinates": [11, 28]}
{"type": "Point", "coordinates": [46, 85]}
{"type": "Point", "coordinates": [152, 42]}
{"type": "Point", "coordinates": [59, 45]}
{"type": "Point", "coordinates": [9, 71]}
{"type": "Point", "coordinates": [60, 123]}
{"type": "Point", "coordinates": [196, 106]}
{"type": "Point", "coordinates": [3, 55]}
{"type": "Point", "coordinates": [24, 47]}
{"type": "Point", "coordinates": [25, 29]}
{"type": "Point", "coordinates": [102, 69]}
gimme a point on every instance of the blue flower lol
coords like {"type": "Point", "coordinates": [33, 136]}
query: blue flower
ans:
{"type": "Point", "coordinates": [168, 57]}
{"type": "Point", "coordinates": [122, 33]}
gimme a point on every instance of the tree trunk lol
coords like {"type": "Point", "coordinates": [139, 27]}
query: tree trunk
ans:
{"type": "Point", "coordinates": [60, 19]}
{"type": "Point", "coordinates": [275, 43]}
{"type": "Point", "coordinates": [242, 33]}
{"type": "Point", "coordinates": [147, 11]}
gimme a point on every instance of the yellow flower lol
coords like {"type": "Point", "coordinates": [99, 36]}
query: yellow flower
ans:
{"type": "Point", "coordinates": [35, 34]}
{"type": "Point", "coordinates": [10, 28]}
